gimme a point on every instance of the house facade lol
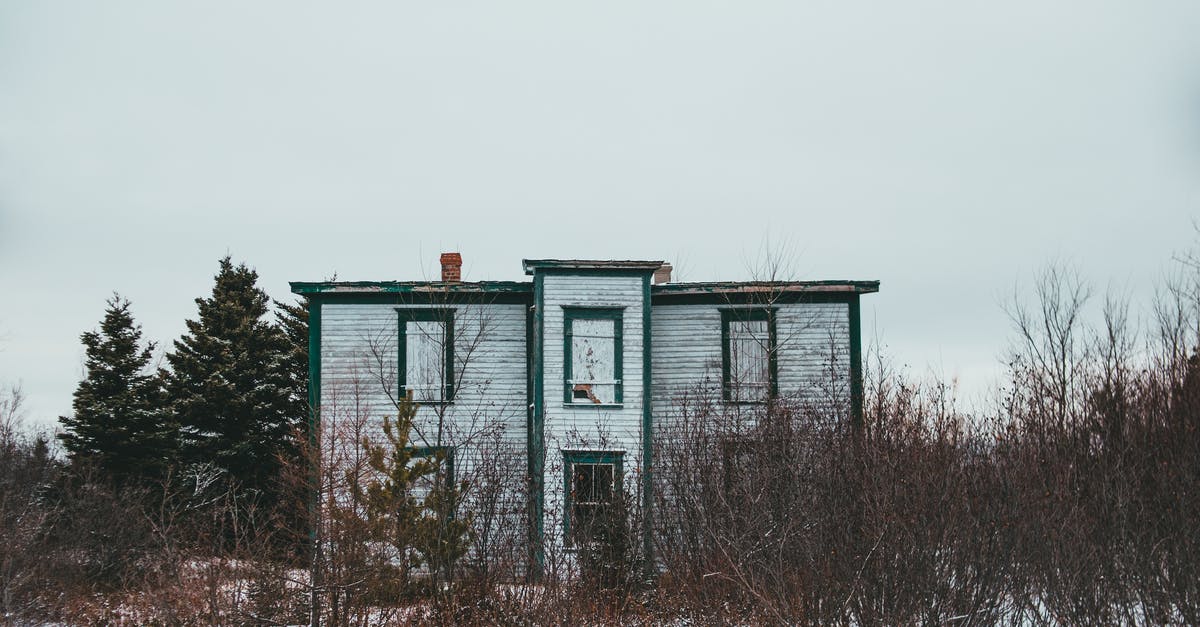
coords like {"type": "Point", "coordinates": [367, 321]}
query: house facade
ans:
{"type": "Point", "coordinates": [557, 386]}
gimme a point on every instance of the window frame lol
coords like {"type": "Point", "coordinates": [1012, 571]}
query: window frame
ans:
{"type": "Point", "coordinates": [444, 315]}
{"type": "Point", "coordinates": [757, 314]}
{"type": "Point", "coordinates": [415, 452]}
{"type": "Point", "coordinates": [588, 457]}
{"type": "Point", "coordinates": [617, 315]}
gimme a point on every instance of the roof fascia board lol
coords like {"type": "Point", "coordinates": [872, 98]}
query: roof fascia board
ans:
{"type": "Point", "coordinates": [410, 287]}
{"type": "Point", "coordinates": [589, 265]}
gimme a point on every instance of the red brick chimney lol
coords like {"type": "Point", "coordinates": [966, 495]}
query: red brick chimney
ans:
{"type": "Point", "coordinates": [451, 267]}
{"type": "Point", "coordinates": [663, 274]}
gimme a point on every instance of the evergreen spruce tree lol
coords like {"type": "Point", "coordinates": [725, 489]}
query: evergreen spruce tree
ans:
{"type": "Point", "coordinates": [294, 513]}
{"type": "Point", "coordinates": [293, 322]}
{"type": "Point", "coordinates": [118, 424]}
{"type": "Point", "coordinates": [229, 385]}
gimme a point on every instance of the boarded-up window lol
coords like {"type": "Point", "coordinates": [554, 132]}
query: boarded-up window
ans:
{"type": "Point", "coordinates": [593, 356]}
{"type": "Point", "coordinates": [748, 354]}
{"type": "Point", "coordinates": [427, 354]}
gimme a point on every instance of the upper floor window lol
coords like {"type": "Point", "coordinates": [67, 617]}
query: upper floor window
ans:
{"type": "Point", "coordinates": [748, 360]}
{"type": "Point", "coordinates": [592, 356]}
{"type": "Point", "coordinates": [426, 354]}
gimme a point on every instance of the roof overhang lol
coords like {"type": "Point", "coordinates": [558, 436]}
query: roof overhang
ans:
{"type": "Point", "coordinates": [767, 287]}
{"type": "Point", "coordinates": [410, 287]}
{"type": "Point", "coordinates": [532, 265]}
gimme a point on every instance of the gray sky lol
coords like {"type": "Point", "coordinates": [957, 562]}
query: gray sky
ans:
{"type": "Point", "coordinates": [946, 148]}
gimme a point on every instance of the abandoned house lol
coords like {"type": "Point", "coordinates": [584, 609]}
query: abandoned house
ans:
{"type": "Point", "coordinates": [561, 382]}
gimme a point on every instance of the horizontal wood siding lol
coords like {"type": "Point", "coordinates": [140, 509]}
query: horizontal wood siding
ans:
{"type": "Point", "coordinates": [812, 353]}
{"type": "Point", "coordinates": [486, 421]}
{"type": "Point", "coordinates": [813, 348]}
{"type": "Point", "coordinates": [595, 428]}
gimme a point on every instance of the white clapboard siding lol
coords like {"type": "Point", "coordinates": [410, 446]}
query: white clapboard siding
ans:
{"type": "Point", "coordinates": [595, 428]}
{"type": "Point", "coordinates": [812, 353]}
{"type": "Point", "coordinates": [486, 423]}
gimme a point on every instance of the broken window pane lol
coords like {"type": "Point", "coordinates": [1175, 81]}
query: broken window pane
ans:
{"type": "Point", "coordinates": [593, 361]}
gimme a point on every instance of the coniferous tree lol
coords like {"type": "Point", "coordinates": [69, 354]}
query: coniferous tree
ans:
{"type": "Point", "coordinates": [419, 529]}
{"type": "Point", "coordinates": [118, 424]}
{"type": "Point", "coordinates": [293, 322]}
{"type": "Point", "coordinates": [295, 512]}
{"type": "Point", "coordinates": [229, 384]}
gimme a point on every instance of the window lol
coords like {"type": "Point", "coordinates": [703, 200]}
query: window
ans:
{"type": "Point", "coordinates": [592, 356]}
{"type": "Point", "coordinates": [591, 482]}
{"type": "Point", "coordinates": [443, 457]}
{"type": "Point", "coordinates": [748, 355]}
{"type": "Point", "coordinates": [426, 352]}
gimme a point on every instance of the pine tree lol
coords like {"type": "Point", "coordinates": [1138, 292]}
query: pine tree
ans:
{"type": "Point", "coordinates": [229, 385]}
{"type": "Point", "coordinates": [118, 424]}
{"type": "Point", "coordinates": [420, 530]}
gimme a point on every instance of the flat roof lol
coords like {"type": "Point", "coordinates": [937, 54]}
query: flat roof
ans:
{"type": "Point", "coordinates": [590, 264]}
{"type": "Point", "coordinates": [410, 287]}
{"type": "Point", "coordinates": [756, 287]}
{"type": "Point", "coordinates": [526, 287]}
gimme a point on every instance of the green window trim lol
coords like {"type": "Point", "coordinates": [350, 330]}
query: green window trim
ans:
{"type": "Point", "coordinates": [766, 314]}
{"type": "Point", "coordinates": [573, 457]}
{"type": "Point", "coordinates": [446, 317]}
{"type": "Point", "coordinates": [431, 451]}
{"type": "Point", "coordinates": [617, 315]}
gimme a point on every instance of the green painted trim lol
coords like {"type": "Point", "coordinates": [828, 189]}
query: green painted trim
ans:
{"type": "Point", "coordinates": [767, 288]}
{"type": "Point", "coordinates": [436, 288]}
{"type": "Point", "coordinates": [617, 315]}
{"type": "Point", "coordinates": [772, 355]}
{"type": "Point", "coordinates": [613, 272]}
{"type": "Point", "coordinates": [647, 427]}
{"type": "Point", "coordinates": [766, 314]}
{"type": "Point", "coordinates": [537, 440]}
{"type": "Point", "coordinates": [425, 298]}
{"type": "Point", "coordinates": [572, 457]}
{"type": "Point", "coordinates": [750, 298]}
{"type": "Point", "coordinates": [430, 451]}
{"type": "Point", "coordinates": [529, 448]}
{"type": "Point", "coordinates": [589, 265]}
{"type": "Point", "coordinates": [856, 377]}
{"type": "Point", "coordinates": [446, 317]}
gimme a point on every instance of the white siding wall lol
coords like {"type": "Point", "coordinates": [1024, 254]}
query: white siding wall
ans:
{"type": "Point", "coordinates": [813, 350]}
{"type": "Point", "coordinates": [814, 355]}
{"type": "Point", "coordinates": [595, 428]}
{"type": "Point", "coordinates": [486, 421]}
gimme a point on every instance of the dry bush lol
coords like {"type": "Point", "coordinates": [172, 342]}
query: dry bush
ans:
{"type": "Point", "coordinates": [1073, 500]}
{"type": "Point", "coordinates": [26, 472]}
{"type": "Point", "coordinates": [1076, 502]}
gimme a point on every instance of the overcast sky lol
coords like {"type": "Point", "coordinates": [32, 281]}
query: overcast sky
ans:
{"type": "Point", "coordinates": [946, 148]}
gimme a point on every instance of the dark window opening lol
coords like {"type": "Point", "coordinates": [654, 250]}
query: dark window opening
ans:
{"type": "Point", "coordinates": [592, 481]}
